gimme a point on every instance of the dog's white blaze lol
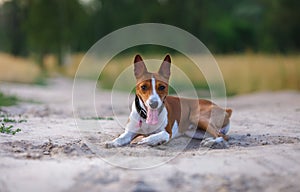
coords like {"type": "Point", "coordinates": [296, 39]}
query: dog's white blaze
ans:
{"type": "Point", "coordinates": [153, 86]}
{"type": "Point", "coordinates": [154, 95]}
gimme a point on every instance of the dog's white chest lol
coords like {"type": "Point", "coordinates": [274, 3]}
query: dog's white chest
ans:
{"type": "Point", "coordinates": [139, 125]}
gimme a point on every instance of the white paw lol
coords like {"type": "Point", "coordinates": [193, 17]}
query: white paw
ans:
{"type": "Point", "coordinates": [155, 139]}
{"type": "Point", "coordinates": [207, 142]}
{"type": "Point", "coordinates": [217, 143]}
{"type": "Point", "coordinates": [114, 143]}
{"type": "Point", "coordinates": [150, 141]}
{"type": "Point", "coordinates": [111, 144]}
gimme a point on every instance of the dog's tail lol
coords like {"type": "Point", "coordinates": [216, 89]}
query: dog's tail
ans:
{"type": "Point", "coordinates": [228, 112]}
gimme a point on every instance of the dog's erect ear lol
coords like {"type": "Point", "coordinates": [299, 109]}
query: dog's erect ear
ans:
{"type": "Point", "coordinates": [139, 66]}
{"type": "Point", "coordinates": [164, 69]}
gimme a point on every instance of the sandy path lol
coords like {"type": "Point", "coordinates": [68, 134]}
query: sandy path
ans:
{"type": "Point", "coordinates": [52, 154]}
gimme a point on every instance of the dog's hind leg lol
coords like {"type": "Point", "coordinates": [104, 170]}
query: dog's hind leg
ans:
{"type": "Point", "coordinates": [195, 133]}
{"type": "Point", "coordinates": [212, 135]}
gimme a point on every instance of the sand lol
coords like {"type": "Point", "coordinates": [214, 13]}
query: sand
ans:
{"type": "Point", "coordinates": [56, 152]}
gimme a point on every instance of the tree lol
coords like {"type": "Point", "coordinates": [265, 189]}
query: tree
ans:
{"type": "Point", "coordinates": [12, 36]}
{"type": "Point", "coordinates": [51, 27]}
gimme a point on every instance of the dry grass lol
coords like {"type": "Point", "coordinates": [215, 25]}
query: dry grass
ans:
{"type": "Point", "coordinates": [242, 73]}
{"type": "Point", "coordinates": [248, 73]}
{"type": "Point", "coordinates": [16, 69]}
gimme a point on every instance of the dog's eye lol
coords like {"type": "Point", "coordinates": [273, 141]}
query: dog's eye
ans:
{"type": "Point", "coordinates": [144, 87]}
{"type": "Point", "coordinates": [161, 87]}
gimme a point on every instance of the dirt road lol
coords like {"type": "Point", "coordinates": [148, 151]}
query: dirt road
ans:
{"type": "Point", "coordinates": [53, 152]}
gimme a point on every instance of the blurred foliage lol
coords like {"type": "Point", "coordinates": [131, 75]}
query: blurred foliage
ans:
{"type": "Point", "coordinates": [39, 27]}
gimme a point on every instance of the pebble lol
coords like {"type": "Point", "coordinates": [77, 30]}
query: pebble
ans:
{"type": "Point", "coordinates": [264, 143]}
{"type": "Point", "coordinates": [248, 134]}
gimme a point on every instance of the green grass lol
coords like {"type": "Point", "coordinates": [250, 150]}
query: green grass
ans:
{"type": "Point", "coordinates": [97, 118]}
{"type": "Point", "coordinates": [6, 100]}
{"type": "Point", "coordinates": [8, 129]}
{"type": "Point", "coordinates": [9, 100]}
{"type": "Point", "coordinates": [9, 120]}
{"type": "Point", "coordinates": [41, 80]}
{"type": "Point", "coordinates": [7, 124]}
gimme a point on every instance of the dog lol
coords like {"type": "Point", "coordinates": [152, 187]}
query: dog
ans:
{"type": "Point", "coordinates": [160, 117]}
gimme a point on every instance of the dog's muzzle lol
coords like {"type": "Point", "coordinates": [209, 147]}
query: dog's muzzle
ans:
{"type": "Point", "coordinates": [153, 104]}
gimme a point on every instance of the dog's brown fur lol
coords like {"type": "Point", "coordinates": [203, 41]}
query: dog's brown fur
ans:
{"type": "Point", "coordinates": [187, 112]}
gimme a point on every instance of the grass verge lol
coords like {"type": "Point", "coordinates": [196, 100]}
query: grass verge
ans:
{"type": "Point", "coordinates": [6, 100]}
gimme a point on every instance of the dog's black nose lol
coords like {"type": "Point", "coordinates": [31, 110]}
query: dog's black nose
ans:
{"type": "Point", "coordinates": [153, 104]}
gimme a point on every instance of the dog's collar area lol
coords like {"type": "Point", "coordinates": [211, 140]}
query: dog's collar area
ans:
{"type": "Point", "coordinates": [142, 112]}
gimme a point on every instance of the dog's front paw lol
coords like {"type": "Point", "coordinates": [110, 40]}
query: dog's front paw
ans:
{"type": "Point", "coordinates": [217, 143]}
{"type": "Point", "coordinates": [150, 142]}
{"type": "Point", "coordinates": [111, 144]}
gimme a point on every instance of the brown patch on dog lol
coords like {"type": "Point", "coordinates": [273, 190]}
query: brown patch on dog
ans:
{"type": "Point", "coordinates": [144, 90]}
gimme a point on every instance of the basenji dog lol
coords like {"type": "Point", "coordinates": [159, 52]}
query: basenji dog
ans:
{"type": "Point", "coordinates": [160, 117]}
